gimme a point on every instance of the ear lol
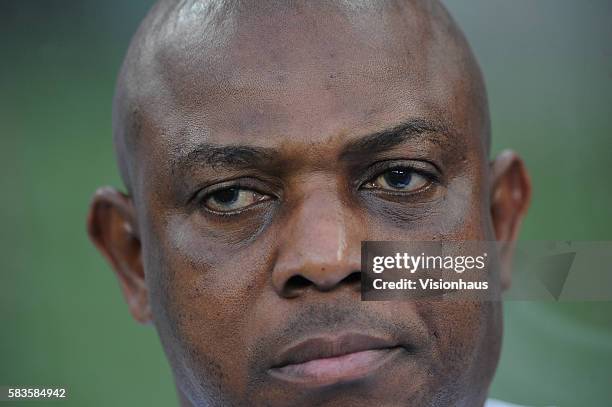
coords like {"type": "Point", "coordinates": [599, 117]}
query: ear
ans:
{"type": "Point", "coordinates": [111, 226]}
{"type": "Point", "coordinates": [510, 196]}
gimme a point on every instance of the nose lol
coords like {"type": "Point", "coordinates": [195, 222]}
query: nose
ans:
{"type": "Point", "coordinates": [321, 249]}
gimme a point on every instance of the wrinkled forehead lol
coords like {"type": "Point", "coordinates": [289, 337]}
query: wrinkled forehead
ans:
{"type": "Point", "coordinates": [268, 74]}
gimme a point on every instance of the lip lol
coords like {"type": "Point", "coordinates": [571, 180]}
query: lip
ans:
{"type": "Point", "coordinates": [327, 360]}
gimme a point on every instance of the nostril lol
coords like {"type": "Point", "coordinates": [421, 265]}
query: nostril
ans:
{"type": "Point", "coordinates": [297, 283]}
{"type": "Point", "coordinates": [353, 278]}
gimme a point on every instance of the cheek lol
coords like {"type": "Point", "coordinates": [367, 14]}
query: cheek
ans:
{"type": "Point", "coordinates": [466, 336]}
{"type": "Point", "coordinates": [201, 294]}
{"type": "Point", "coordinates": [457, 215]}
{"type": "Point", "coordinates": [456, 332]}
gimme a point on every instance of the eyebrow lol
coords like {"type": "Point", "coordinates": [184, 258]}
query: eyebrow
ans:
{"type": "Point", "coordinates": [242, 156]}
{"type": "Point", "coordinates": [215, 156]}
{"type": "Point", "coordinates": [389, 138]}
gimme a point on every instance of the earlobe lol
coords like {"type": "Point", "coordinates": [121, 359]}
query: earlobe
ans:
{"type": "Point", "coordinates": [112, 227]}
{"type": "Point", "coordinates": [510, 197]}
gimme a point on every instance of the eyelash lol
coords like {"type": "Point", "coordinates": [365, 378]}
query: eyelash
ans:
{"type": "Point", "coordinates": [381, 167]}
{"type": "Point", "coordinates": [376, 170]}
{"type": "Point", "coordinates": [204, 194]}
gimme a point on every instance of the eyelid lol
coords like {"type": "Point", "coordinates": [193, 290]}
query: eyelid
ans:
{"type": "Point", "coordinates": [424, 168]}
{"type": "Point", "coordinates": [245, 183]}
{"type": "Point", "coordinates": [235, 211]}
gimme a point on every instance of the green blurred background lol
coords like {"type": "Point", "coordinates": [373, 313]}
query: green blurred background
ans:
{"type": "Point", "coordinates": [548, 65]}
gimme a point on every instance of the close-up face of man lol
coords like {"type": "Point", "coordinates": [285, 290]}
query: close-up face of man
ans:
{"type": "Point", "coordinates": [261, 142]}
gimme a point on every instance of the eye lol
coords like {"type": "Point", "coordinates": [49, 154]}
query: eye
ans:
{"type": "Point", "coordinates": [232, 199]}
{"type": "Point", "coordinates": [399, 179]}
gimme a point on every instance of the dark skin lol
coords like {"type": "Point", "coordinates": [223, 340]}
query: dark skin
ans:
{"type": "Point", "coordinates": [261, 144]}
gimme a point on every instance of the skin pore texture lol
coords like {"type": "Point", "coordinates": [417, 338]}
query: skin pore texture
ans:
{"type": "Point", "coordinates": [261, 142]}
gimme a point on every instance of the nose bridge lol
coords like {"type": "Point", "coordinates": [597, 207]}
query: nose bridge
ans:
{"type": "Point", "coordinates": [321, 228]}
{"type": "Point", "coordinates": [321, 244]}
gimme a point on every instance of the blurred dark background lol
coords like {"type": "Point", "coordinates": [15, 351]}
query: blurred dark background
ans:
{"type": "Point", "coordinates": [548, 65]}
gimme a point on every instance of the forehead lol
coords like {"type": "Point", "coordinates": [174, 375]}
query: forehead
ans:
{"type": "Point", "coordinates": [274, 75]}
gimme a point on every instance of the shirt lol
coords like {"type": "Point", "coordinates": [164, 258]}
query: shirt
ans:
{"type": "Point", "coordinates": [497, 403]}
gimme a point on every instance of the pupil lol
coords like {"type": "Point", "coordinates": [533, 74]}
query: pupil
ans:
{"type": "Point", "coordinates": [398, 178]}
{"type": "Point", "coordinates": [226, 196]}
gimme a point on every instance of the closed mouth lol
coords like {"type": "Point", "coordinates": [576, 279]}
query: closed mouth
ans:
{"type": "Point", "coordinates": [329, 360]}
